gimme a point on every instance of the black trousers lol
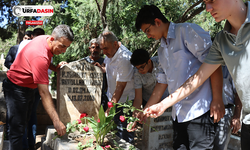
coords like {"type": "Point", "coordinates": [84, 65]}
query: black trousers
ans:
{"type": "Point", "coordinates": [122, 127]}
{"type": "Point", "coordinates": [245, 137]}
{"type": "Point", "coordinates": [19, 101]}
{"type": "Point", "coordinates": [197, 134]}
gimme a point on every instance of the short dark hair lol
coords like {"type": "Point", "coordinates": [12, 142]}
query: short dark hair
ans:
{"type": "Point", "coordinates": [28, 33]}
{"type": "Point", "coordinates": [147, 15]}
{"type": "Point", "coordinates": [63, 31]}
{"type": "Point", "coordinates": [38, 31]}
{"type": "Point", "coordinates": [139, 57]}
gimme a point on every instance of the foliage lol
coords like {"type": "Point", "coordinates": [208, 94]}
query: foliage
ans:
{"type": "Point", "coordinates": [5, 45]}
{"type": "Point", "coordinates": [103, 126]}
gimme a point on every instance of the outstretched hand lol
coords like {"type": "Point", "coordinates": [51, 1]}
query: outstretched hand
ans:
{"type": "Point", "coordinates": [154, 111]}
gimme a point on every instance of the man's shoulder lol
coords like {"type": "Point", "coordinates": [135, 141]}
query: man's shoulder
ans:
{"type": "Point", "coordinates": [187, 26]}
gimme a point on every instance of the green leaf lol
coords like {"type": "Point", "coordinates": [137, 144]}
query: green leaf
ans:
{"type": "Point", "coordinates": [98, 147]}
{"type": "Point", "coordinates": [101, 117]}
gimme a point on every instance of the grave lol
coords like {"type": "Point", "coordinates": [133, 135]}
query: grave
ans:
{"type": "Point", "coordinates": [158, 132]}
{"type": "Point", "coordinates": [79, 88]}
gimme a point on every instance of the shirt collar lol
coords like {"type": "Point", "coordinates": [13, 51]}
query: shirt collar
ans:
{"type": "Point", "coordinates": [117, 52]}
{"type": "Point", "coordinates": [171, 34]}
{"type": "Point", "coordinates": [228, 25]}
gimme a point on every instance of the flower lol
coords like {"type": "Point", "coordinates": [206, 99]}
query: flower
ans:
{"type": "Point", "coordinates": [83, 115]}
{"type": "Point", "coordinates": [122, 118]}
{"type": "Point", "coordinates": [79, 121]}
{"type": "Point", "coordinates": [102, 147]}
{"type": "Point", "coordinates": [86, 129]}
{"type": "Point", "coordinates": [107, 146]}
{"type": "Point", "coordinates": [110, 104]}
{"type": "Point", "coordinates": [98, 120]}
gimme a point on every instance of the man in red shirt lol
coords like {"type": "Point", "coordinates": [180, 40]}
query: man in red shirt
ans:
{"type": "Point", "coordinates": [29, 71]}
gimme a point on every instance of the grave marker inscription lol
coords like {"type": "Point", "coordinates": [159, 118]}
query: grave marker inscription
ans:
{"type": "Point", "coordinates": [79, 88]}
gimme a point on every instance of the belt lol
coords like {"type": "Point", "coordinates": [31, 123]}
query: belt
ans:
{"type": "Point", "coordinates": [229, 105]}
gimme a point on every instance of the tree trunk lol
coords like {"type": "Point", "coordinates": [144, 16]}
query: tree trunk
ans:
{"type": "Point", "coordinates": [21, 31]}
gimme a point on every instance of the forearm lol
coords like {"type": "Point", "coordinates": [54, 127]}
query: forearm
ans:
{"type": "Point", "coordinates": [190, 85]}
{"type": "Point", "coordinates": [120, 86]}
{"type": "Point", "coordinates": [49, 105]}
{"type": "Point", "coordinates": [52, 67]}
{"type": "Point", "coordinates": [157, 94]}
{"type": "Point", "coordinates": [217, 84]}
{"type": "Point", "coordinates": [238, 106]}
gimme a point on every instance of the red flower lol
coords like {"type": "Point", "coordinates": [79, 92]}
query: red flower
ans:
{"type": "Point", "coordinates": [103, 148]}
{"type": "Point", "coordinates": [98, 120]}
{"type": "Point", "coordinates": [86, 129]}
{"type": "Point", "coordinates": [83, 115]}
{"type": "Point", "coordinates": [107, 146]}
{"type": "Point", "coordinates": [79, 121]}
{"type": "Point", "coordinates": [110, 104]}
{"type": "Point", "coordinates": [122, 118]}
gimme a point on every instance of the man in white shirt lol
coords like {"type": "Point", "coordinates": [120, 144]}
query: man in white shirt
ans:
{"type": "Point", "coordinates": [119, 74]}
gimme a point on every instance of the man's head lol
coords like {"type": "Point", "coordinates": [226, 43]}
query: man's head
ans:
{"type": "Point", "coordinates": [220, 9]}
{"type": "Point", "coordinates": [150, 20]}
{"type": "Point", "coordinates": [141, 60]}
{"type": "Point", "coordinates": [37, 32]}
{"type": "Point", "coordinates": [27, 35]}
{"type": "Point", "coordinates": [61, 38]}
{"type": "Point", "coordinates": [108, 42]}
{"type": "Point", "coordinates": [94, 48]}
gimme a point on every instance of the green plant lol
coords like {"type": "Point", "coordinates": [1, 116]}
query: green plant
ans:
{"type": "Point", "coordinates": [103, 125]}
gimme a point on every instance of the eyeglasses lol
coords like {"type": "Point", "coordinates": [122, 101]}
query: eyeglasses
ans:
{"type": "Point", "coordinates": [147, 29]}
{"type": "Point", "coordinates": [93, 47]}
{"type": "Point", "coordinates": [141, 68]}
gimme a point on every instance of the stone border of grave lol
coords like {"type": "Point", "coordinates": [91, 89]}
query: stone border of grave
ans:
{"type": "Point", "coordinates": [65, 143]}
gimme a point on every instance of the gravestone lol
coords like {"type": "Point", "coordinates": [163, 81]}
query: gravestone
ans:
{"type": "Point", "coordinates": [79, 88]}
{"type": "Point", "coordinates": [158, 132]}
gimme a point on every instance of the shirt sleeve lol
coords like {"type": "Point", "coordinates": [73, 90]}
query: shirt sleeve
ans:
{"type": "Point", "coordinates": [40, 67]}
{"type": "Point", "coordinates": [214, 56]}
{"type": "Point", "coordinates": [137, 79]}
{"type": "Point", "coordinates": [160, 75]}
{"type": "Point", "coordinates": [10, 56]}
{"type": "Point", "coordinates": [197, 41]}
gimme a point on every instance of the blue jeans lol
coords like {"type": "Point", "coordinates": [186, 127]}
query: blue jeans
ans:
{"type": "Point", "coordinates": [122, 127]}
{"type": "Point", "coordinates": [222, 137]}
{"type": "Point", "coordinates": [19, 101]}
{"type": "Point", "coordinates": [30, 140]}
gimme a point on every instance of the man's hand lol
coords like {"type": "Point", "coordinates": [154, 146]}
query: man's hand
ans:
{"type": "Point", "coordinates": [107, 112]}
{"type": "Point", "coordinates": [60, 127]}
{"type": "Point", "coordinates": [235, 125]}
{"type": "Point", "coordinates": [61, 64]}
{"type": "Point", "coordinates": [133, 127]}
{"type": "Point", "coordinates": [217, 110]}
{"type": "Point", "coordinates": [154, 111]}
{"type": "Point", "coordinates": [103, 68]}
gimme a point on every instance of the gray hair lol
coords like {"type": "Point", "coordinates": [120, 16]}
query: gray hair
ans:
{"type": "Point", "coordinates": [93, 41]}
{"type": "Point", "coordinates": [107, 36]}
{"type": "Point", "coordinates": [63, 31]}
